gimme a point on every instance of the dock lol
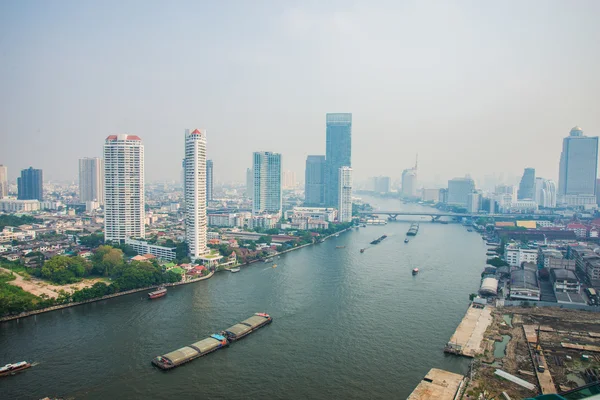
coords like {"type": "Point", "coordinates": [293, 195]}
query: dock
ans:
{"type": "Point", "coordinates": [537, 357]}
{"type": "Point", "coordinates": [438, 384]}
{"type": "Point", "coordinates": [468, 337]}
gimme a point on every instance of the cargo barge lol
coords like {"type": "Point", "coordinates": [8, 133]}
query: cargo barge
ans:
{"type": "Point", "coordinates": [379, 239]}
{"type": "Point", "coordinates": [212, 343]}
{"type": "Point", "coordinates": [413, 230]}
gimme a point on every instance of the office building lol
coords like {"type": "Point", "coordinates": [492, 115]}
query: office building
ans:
{"type": "Point", "coordinates": [459, 190]}
{"type": "Point", "coordinates": [545, 193]}
{"type": "Point", "coordinates": [14, 206]}
{"type": "Point", "coordinates": [473, 202]}
{"type": "Point", "coordinates": [383, 184]}
{"type": "Point", "coordinates": [314, 181]}
{"type": "Point", "coordinates": [338, 153]}
{"type": "Point", "coordinates": [195, 193]}
{"type": "Point", "coordinates": [91, 180]}
{"type": "Point", "coordinates": [249, 183]}
{"type": "Point", "coordinates": [3, 181]}
{"type": "Point", "coordinates": [409, 182]}
{"type": "Point", "coordinates": [578, 169]}
{"type": "Point", "coordinates": [345, 194]}
{"type": "Point", "coordinates": [430, 195]}
{"type": "Point", "coordinates": [267, 183]}
{"type": "Point", "coordinates": [527, 185]}
{"type": "Point", "coordinates": [31, 185]}
{"type": "Point", "coordinates": [124, 197]}
{"type": "Point", "coordinates": [209, 180]}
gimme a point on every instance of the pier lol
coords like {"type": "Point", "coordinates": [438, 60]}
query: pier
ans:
{"type": "Point", "coordinates": [468, 337]}
{"type": "Point", "coordinates": [438, 384]}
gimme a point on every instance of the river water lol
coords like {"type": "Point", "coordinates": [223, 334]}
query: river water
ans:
{"type": "Point", "coordinates": [346, 325]}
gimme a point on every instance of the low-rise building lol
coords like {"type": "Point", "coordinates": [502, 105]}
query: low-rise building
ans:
{"type": "Point", "coordinates": [15, 206]}
{"type": "Point", "coordinates": [265, 221]}
{"type": "Point", "coordinates": [524, 285]}
{"type": "Point", "coordinates": [579, 229]}
{"type": "Point", "coordinates": [143, 247]}
{"type": "Point", "coordinates": [516, 254]}
{"type": "Point", "coordinates": [564, 281]}
{"type": "Point", "coordinates": [315, 213]}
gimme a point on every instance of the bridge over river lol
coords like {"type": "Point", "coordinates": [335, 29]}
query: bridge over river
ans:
{"type": "Point", "coordinates": [436, 215]}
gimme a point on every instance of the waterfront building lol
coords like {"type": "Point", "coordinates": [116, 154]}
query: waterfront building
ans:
{"type": "Point", "coordinates": [124, 197]}
{"type": "Point", "coordinates": [338, 153]}
{"type": "Point", "coordinates": [313, 213]}
{"type": "Point", "coordinates": [195, 193]}
{"type": "Point", "coordinates": [143, 247]}
{"type": "Point", "coordinates": [473, 202]}
{"type": "Point", "coordinates": [3, 181]}
{"type": "Point", "coordinates": [409, 182]}
{"type": "Point", "coordinates": [527, 185]}
{"type": "Point", "coordinates": [249, 183]}
{"type": "Point", "coordinates": [430, 195]}
{"type": "Point", "coordinates": [524, 285]}
{"type": "Point", "coordinates": [459, 190]}
{"type": "Point", "coordinates": [345, 194]}
{"type": "Point", "coordinates": [15, 206]}
{"type": "Point", "coordinates": [314, 181]}
{"type": "Point", "coordinates": [516, 254]}
{"type": "Point", "coordinates": [91, 179]}
{"type": "Point", "coordinates": [267, 183]}
{"type": "Point", "coordinates": [31, 185]}
{"type": "Point", "coordinates": [444, 196]}
{"type": "Point", "coordinates": [578, 169]}
{"type": "Point", "coordinates": [209, 180]}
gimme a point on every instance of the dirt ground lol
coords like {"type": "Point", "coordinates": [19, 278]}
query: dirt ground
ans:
{"type": "Point", "coordinates": [566, 366]}
{"type": "Point", "coordinates": [39, 287]}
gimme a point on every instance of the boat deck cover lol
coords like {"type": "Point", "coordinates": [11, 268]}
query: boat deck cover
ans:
{"type": "Point", "coordinates": [206, 344]}
{"type": "Point", "coordinates": [238, 329]}
{"type": "Point", "coordinates": [181, 355]}
{"type": "Point", "coordinates": [254, 321]}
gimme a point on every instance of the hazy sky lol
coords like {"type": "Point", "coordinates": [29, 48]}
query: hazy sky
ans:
{"type": "Point", "coordinates": [473, 87]}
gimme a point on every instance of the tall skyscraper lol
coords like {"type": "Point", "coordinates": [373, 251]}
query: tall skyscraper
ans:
{"type": "Point", "coordinates": [249, 183]}
{"type": "Point", "coordinates": [459, 190]}
{"type": "Point", "coordinates": [124, 197]}
{"type": "Point", "coordinates": [195, 192]}
{"type": "Point", "coordinates": [91, 179]}
{"type": "Point", "coordinates": [345, 194]}
{"type": "Point", "coordinates": [314, 181]}
{"type": "Point", "coordinates": [409, 181]}
{"type": "Point", "coordinates": [289, 180]}
{"type": "Point", "coordinates": [338, 153]}
{"type": "Point", "coordinates": [578, 168]}
{"type": "Point", "coordinates": [3, 181]}
{"type": "Point", "coordinates": [31, 185]}
{"type": "Point", "coordinates": [209, 180]}
{"type": "Point", "coordinates": [267, 183]}
{"type": "Point", "coordinates": [527, 185]}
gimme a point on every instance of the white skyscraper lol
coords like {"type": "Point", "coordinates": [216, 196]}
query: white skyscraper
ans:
{"type": "Point", "coordinates": [345, 195]}
{"type": "Point", "coordinates": [267, 183]}
{"type": "Point", "coordinates": [3, 181]}
{"type": "Point", "coordinates": [91, 180]}
{"type": "Point", "coordinates": [195, 192]}
{"type": "Point", "coordinates": [124, 215]}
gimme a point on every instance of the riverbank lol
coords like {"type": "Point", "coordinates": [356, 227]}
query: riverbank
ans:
{"type": "Point", "coordinates": [108, 296]}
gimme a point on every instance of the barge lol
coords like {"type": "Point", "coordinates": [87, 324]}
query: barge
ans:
{"type": "Point", "coordinates": [11, 369]}
{"type": "Point", "coordinates": [213, 343]}
{"type": "Point", "coordinates": [160, 292]}
{"type": "Point", "coordinates": [379, 239]}
{"type": "Point", "coordinates": [413, 230]}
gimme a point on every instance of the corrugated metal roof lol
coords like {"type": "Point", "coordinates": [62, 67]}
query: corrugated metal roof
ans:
{"type": "Point", "coordinates": [254, 321]}
{"type": "Point", "coordinates": [525, 279]}
{"type": "Point", "coordinates": [238, 329]}
{"type": "Point", "coordinates": [206, 344]}
{"type": "Point", "coordinates": [181, 355]}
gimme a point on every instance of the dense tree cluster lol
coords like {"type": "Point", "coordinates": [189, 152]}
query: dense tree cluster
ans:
{"type": "Point", "coordinates": [13, 220]}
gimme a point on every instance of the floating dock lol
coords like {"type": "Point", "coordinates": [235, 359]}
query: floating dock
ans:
{"type": "Point", "coordinates": [468, 337]}
{"type": "Point", "coordinates": [438, 384]}
{"type": "Point", "coordinates": [212, 343]}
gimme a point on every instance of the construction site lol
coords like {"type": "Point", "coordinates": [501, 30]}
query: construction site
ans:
{"type": "Point", "coordinates": [536, 350]}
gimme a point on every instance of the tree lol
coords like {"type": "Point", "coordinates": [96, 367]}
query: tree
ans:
{"type": "Point", "coordinates": [94, 240]}
{"type": "Point", "coordinates": [497, 262]}
{"type": "Point", "coordinates": [265, 239]}
{"type": "Point", "coordinates": [106, 260]}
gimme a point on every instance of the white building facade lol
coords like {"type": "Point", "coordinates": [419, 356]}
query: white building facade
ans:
{"type": "Point", "coordinates": [195, 193]}
{"type": "Point", "coordinates": [124, 196]}
{"type": "Point", "coordinates": [345, 195]}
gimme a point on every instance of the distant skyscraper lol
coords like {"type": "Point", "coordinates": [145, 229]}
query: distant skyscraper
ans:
{"type": "Point", "coordinates": [527, 185]}
{"type": "Point", "coordinates": [338, 153]}
{"type": "Point", "coordinates": [267, 183]}
{"type": "Point", "coordinates": [409, 181]}
{"type": "Point", "coordinates": [249, 183]}
{"type": "Point", "coordinates": [31, 185]}
{"type": "Point", "coordinates": [209, 180]}
{"type": "Point", "coordinates": [195, 192]}
{"type": "Point", "coordinates": [345, 194]}
{"type": "Point", "coordinates": [383, 184]}
{"type": "Point", "coordinates": [578, 168]}
{"type": "Point", "coordinates": [459, 190]}
{"type": "Point", "coordinates": [314, 181]}
{"type": "Point", "coordinates": [124, 197]}
{"type": "Point", "coordinates": [3, 181]}
{"type": "Point", "coordinates": [289, 180]}
{"type": "Point", "coordinates": [548, 194]}
{"type": "Point", "coordinates": [91, 180]}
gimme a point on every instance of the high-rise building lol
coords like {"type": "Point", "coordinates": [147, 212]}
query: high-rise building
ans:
{"type": "Point", "coordinates": [289, 180]}
{"type": "Point", "coordinates": [195, 192]}
{"type": "Point", "coordinates": [124, 197]}
{"type": "Point", "coordinates": [459, 190]}
{"type": "Point", "coordinates": [31, 185]}
{"type": "Point", "coordinates": [314, 181]}
{"type": "Point", "coordinates": [267, 183]}
{"type": "Point", "coordinates": [209, 180]}
{"type": "Point", "coordinates": [527, 185]}
{"type": "Point", "coordinates": [578, 169]}
{"type": "Point", "coordinates": [502, 190]}
{"type": "Point", "coordinates": [91, 180]}
{"type": "Point", "coordinates": [382, 184]}
{"type": "Point", "coordinates": [345, 194]}
{"type": "Point", "coordinates": [338, 153]}
{"type": "Point", "coordinates": [409, 182]}
{"type": "Point", "coordinates": [473, 202]}
{"type": "Point", "coordinates": [548, 194]}
{"type": "Point", "coordinates": [249, 183]}
{"type": "Point", "coordinates": [3, 181]}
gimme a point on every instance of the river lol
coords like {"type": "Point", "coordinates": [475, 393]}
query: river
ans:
{"type": "Point", "coordinates": [346, 325]}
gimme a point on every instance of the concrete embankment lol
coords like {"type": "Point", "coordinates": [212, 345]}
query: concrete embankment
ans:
{"type": "Point", "coordinates": [438, 384]}
{"type": "Point", "coordinates": [468, 337]}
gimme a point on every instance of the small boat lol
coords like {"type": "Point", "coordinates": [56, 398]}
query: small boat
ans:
{"type": "Point", "coordinates": [236, 269]}
{"type": "Point", "coordinates": [160, 292]}
{"type": "Point", "coordinates": [469, 230]}
{"type": "Point", "coordinates": [340, 247]}
{"type": "Point", "coordinates": [268, 260]}
{"type": "Point", "coordinates": [444, 222]}
{"type": "Point", "coordinates": [364, 225]}
{"type": "Point", "coordinates": [337, 235]}
{"type": "Point", "coordinates": [362, 250]}
{"type": "Point", "coordinates": [415, 271]}
{"type": "Point", "coordinates": [11, 369]}
{"type": "Point", "coordinates": [406, 240]}
{"type": "Point", "coordinates": [274, 265]}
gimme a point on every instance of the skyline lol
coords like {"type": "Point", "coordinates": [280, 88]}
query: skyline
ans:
{"type": "Point", "coordinates": [527, 75]}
